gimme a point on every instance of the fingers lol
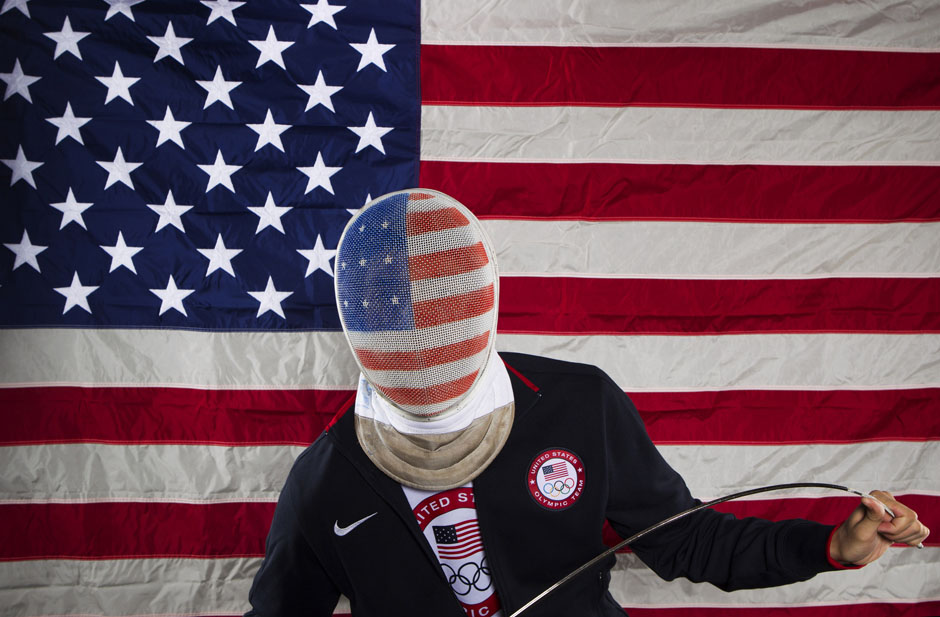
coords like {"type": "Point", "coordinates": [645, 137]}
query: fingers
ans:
{"type": "Point", "coordinates": [903, 527]}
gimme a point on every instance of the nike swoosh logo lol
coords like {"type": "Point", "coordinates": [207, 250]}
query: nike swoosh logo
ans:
{"type": "Point", "coordinates": [342, 531]}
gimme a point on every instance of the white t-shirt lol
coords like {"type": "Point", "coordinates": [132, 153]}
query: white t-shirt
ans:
{"type": "Point", "coordinates": [449, 522]}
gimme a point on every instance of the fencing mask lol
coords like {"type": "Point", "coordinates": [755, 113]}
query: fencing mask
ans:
{"type": "Point", "coordinates": [417, 289]}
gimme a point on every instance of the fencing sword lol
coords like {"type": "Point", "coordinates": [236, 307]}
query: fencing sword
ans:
{"type": "Point", "coordinates": [683, 514]}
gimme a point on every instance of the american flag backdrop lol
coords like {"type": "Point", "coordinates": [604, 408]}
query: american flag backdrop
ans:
{"type": "Point", "coordinates": [733, 207]}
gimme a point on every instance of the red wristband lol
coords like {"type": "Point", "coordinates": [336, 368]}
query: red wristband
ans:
{"type": "Point", "coordinates": [835, 564]}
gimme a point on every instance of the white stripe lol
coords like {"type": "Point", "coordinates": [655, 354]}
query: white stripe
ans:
{"type": "Point", "coordinates": [713, 471]}
{"type": "Point", "coordinates": [446, 334]}
{"type": "Point", "coordinates": [448, 286]}
{"type": "Point", "coordinates": [658, 363]}
{"type": "Point", "coordinates": [716, 23]}
{"type": "Point", "coordinates": [68, 473]}
{"type": "Point", "coordinates": [164, 587]}
{"type": "Point", "coordinates": [148, 587]}
{"type": "Point", "coordinates": [757, 361]}
{"type": "Point", "coordinates": [441, 240]}
{"type": "Point", "coordinates": [83, 473]}
{"type": "Point", "coordinates": [679, 135]}
{"type": "Point", "coordinates": [431, 376]}
{"type": "Point", "coordinates": [177, 358]}
{"type": "Point", "coordinates": [902, 575]}
{"type": "Point", "coordinates": [714, 250]}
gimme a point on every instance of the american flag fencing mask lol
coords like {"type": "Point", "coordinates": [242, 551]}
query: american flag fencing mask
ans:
{"type": "Point", "coordinates": [417, 290]}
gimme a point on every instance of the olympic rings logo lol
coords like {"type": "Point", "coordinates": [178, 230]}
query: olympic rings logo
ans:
{"type": "Point", "coordinates": [558, 488]}
{"type": "Point", "coordinates": [469, 576]}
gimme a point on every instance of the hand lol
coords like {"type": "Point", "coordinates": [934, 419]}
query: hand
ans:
{"type": "Point", "coordinates": [868, 532]}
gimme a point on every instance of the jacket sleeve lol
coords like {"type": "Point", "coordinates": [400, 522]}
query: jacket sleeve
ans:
{"type": "Point", "coordinates": [291, 580]}
{"type": "Point", "coordinates": [707, 546]}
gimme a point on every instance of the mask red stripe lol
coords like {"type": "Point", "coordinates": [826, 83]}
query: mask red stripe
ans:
{"type": "Point", "coordinates": [424, 358]}
{"type": "Point", "coordinates": [436, 220]}
{"type": "Point", "coordinates": [447, 263]}
{"type": "Point", "coordinates": [432, 394]}
{"type": "Point", "coordinates": [455, 308]}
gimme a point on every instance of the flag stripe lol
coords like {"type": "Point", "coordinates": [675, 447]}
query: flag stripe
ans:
{"type": "Point", "coordinates": [567, 305]}
{"type": "Point", "coordinates": [902, 575]}
{"type": "Point", "coordinates": [201, 474]}
{"type": "Point", "coordinates": [430, 313]}
{"type": "Point", "coordinates": [417, 223]}
{"type": "Point", "coordinates": [732, 193]}
{"type": "Point", "coordinates": [424, 358]}
{"type": "Point", "coordinates": [449, 262]}
{"type": "Point", "coordinates": [285, 360]}
{"type": "Point", "coordinates": [726, 23]}
{"type": "Point", "coordinates": [678, 135]}
{"type": "Point", "coordinates": [714, 250]}
{"type": "Point", "coordinates": [430, 395]}
{"type": "Point", "coordinates": [171, 586]}
{"type": "Point", "coordinates": [880, 609]}
{"type": "Point", "coordinates": [147, 530]}
{"type": "Point", "coordinates": [712, 76]}
{"type": "Point", "coordinates": [288, 417]}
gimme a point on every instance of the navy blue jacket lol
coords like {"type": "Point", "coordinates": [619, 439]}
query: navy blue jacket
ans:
{"type": "Point", "coordinates": [386, 567]}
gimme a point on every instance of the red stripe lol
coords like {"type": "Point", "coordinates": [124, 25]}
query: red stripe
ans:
{"type": "Point", "coordinates": [826, 510]}
{"type": "Point", "coordinates": [761, 193]}
{"type": "Point", "coordinates": [556, 305]}
{"type": "Point", "coordinates": [454, 261]}
{"type": "Point", "coordinates": [166, 415]}
{"type": "Point", "coordinates": [670, 76]}
{"type": "Point", "coordinates": [436, 220]}
{"type": "Point", "coordinates": [432, 394]}
{"type": "Point", "coordinates": [161, 415]}
{"type": "Point", "coordinates": [126, 530]}
{"type": "Point", "coordinates": [417, 360]}
{"type": "Point", "coordinates": [777, 417]}
{"type": "Point", "coordinates": [454, 308]}
{"type": "Point", "coordinates": [153, 530]}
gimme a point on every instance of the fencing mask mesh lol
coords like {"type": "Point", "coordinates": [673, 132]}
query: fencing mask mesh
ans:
{"type": "Point", "coordinates": [417, 289]}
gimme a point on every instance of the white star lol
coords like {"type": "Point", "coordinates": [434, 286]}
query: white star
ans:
{"type": "Point", "coordinates": [66, 40]}
{"type": "Point", "coordinates": [270, 299]}
{"type": "Point", "coordinates": [220, 258]}
{"type": "Point", "coordinates": [22, 169]}
{"type": "Point", "coordinates": [269, 132]}
{"type": "Point", "coordinates": [322, 11]}
{"type": "Point", "coordinates": [26, 252]}
{"type": "Point", "coordinates": [118, 85]}
{"type": "Point", "coordinates": [121, 254]}
{"type": "Point", "coordinates": [71, 210]}
{"type": "Point", "coordinates": [171, 297]}
{"type": "Point", "coordinates": [18, 82]}
{"type": "Point", "coordinates": [370, 134]}
{"type": "Point", "coordinates": [318, 258]}
{"type": "Point", "coordinates": [121, 6]}
{"type": "Point", "coordinates": [170, 213]}
{"type": "Point", "coordinates": [76, 294]}
{"type": "Point", "coordinates": [271, 49]}
{"type": "Point", "coordinates": [218, 89]}
{"type": "Point", "coordinates": [220, 173]}
{"type": "Point", "coordinates": [222, 8]}
{"type": "Point", "coordinates": [119, 170]}
{"type": "Point", "coordinates": [270, 215]}
{"type": "Point", "coordinates": [15, 4]}
{"type": "Point", "coordinates": [354, 211]}
{"type": "Point", "coordinates": [68, 125]}
{"type": "Point", "coordinates": [320, 93]}
{"type": "Point", "coordinates": [169, 45]}
{"type": "Point", "coordinates": [372, 52]}
{"type": "Point", "coordinates": [169, 128]}
{"type": "Point", "coordinates": [319, 175]}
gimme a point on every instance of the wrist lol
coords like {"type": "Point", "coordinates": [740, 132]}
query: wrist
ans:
{"type": "Point", "coordinates": [834, 552]}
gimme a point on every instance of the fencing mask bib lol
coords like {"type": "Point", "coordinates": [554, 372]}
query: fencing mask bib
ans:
{"type": "Point", "coordinates": [417, 290]}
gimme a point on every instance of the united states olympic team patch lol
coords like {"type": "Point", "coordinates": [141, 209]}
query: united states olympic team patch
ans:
{"type": "Point", "coordinates": [556, 479]}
